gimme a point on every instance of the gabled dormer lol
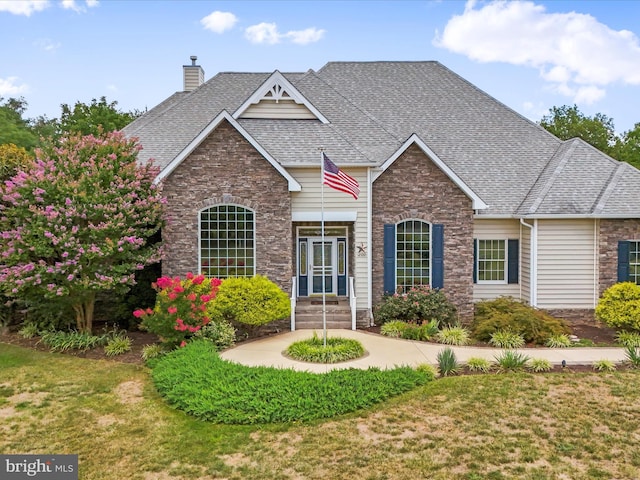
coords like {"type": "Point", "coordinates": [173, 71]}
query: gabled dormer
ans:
{"type": "Point", "coordinates": [277, 98]}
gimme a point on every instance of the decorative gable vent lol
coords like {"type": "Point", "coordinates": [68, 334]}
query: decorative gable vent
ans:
{"type": "Point", "coordinates": [277, 98]}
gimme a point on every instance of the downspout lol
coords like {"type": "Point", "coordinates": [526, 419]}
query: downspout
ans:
{"type": "Point", "coordinates": [533, 261]}
{"type": "Point", "coordinates": [369, 242]}
{"type": "Point", "coordinates": [596, 279]}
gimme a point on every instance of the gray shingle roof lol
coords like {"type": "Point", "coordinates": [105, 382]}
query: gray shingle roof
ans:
{"type": "Point", "coordinates": [513, 164]}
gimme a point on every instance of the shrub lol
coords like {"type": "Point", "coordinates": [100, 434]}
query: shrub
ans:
{"type": "Point", "coordinates": [429, 371]}
{"type": "Point", "coordinates": [150, 352]}
{"type": "Point", "coordinates": [511, 361]}
{"type": "Point", "coordinates": [250, 302]}
{"type": "Point", "coordinates": [63, 341]}
{"type": "Point", "coordinates": [506, 339]}
{"type": "Point", "coordinates": [394, 328]}
{"type": "Point", "coordinates": [336, 350]}
{"type": "Point", "coordinates": [507, 313]}
{"type": "Point", "coordinates": [221, 334]}
{"type": "Point", "coordinates": [558, 341]}
{"type": "Point", "coordinates": [28, 330]}
{"type": "Point", "coordinates": [628, 339]}
{"type": "Point", "coordinates": [633, 356]}
{"type": "Point", "coordinates": [476, 364]}
{"type": "Point", "coordinates": [196, 380]}
{"type": "Point", "coordinates": [619, 306]}
{"type": "Point", "coordinates": [453, 336]}
{"type": "Point", "coordinates": [540, 365]}
{"type": "Point", "coordinates": [447, 362]}
{"type": "Point", "coordinates": [181, 307]}
{"type": "Point", "coordinates": [420, 304]}
{"type": "Point", "coordinates": [604, 366]}
{"type": "Point", "coordinates": [117, 345]}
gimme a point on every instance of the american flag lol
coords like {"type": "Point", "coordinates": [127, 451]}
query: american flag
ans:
{"type": "Point", "coordinates": [337, 179]}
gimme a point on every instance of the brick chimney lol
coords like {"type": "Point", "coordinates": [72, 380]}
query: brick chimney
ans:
{"type": "Point", "coordinates": [193, 75]}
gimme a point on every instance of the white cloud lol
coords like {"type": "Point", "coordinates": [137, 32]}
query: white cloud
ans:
{"type": "Point", "coordinates": [23, 7]}
{"type": "Point", "coordinates": [73, 5]}
{"type": "Point", "coordinates": [268, 33]}
{"type": "Point", "coordinates": [303, 37]}
{"type": "Point", "coordinates": [263, 33]}
{"type": "Point", "coordinates": [8, 86]}
{"type": "Point", "coordinates": [219, 22]}
{"type": "Point", "coordinates": [574, 52]}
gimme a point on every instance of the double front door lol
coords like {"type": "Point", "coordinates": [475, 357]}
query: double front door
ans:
{"type": "Point", "coordinates": [322, 266]}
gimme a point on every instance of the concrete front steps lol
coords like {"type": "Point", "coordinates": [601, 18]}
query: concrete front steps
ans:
{"type": "Point", "coordinates": [309, 313]}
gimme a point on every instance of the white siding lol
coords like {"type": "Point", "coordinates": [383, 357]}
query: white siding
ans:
{"type": "Point", "coordinates": [525, 263]}
{"type": "Point", "coordinates": [496, 230]}
{"type": "Point", "coordinates": [308, 200]}
{"type": "Point", "coordinates": [566, 264]}
{"type": "Point", "coordinates": [284, 109]}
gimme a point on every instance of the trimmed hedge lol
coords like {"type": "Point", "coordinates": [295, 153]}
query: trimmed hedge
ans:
{"type": "Point", "coordinates": [196, 380]}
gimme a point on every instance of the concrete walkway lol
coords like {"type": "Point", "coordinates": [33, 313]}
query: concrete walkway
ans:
{"type": "Point", "coordinates": [385, 352]}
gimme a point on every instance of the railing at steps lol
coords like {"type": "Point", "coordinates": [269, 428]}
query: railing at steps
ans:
{"type": "Point", "coordinates": [294, 289]}
{"type": "Point", "coordinates": [352, 301]}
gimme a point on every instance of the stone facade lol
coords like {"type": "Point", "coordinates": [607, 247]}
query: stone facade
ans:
{"type": "Point", "coordinates": [413, 187]}
{"type": "Point", "coordinates": [612, 231]}
{"type": "Point", "coordinates": [226, 169]}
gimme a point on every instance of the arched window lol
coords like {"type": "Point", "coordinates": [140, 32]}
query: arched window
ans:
{"type": "Point", "coordinates": [227, 241]}
{"type": "Point", "coordinates": [413, 254]}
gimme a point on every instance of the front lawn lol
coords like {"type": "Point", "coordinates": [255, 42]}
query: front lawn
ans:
{"type": "Point", "coordinates": [526, 426]}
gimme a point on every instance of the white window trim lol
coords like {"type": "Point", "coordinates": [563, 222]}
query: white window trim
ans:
{"type": "Point", "coordinates": [506, 261]}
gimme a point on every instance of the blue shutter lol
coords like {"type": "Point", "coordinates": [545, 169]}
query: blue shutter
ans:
{"type": "Point", "coordinates": [623, 261]}
{"type": "Point", "coordinates": [475, 260]}
{"type": "Point", "coordinates": [437, 262]}
{"type": "Point", "coordinates": [389, 258]}
{"type": "Point", "coordinates": [513, 254]}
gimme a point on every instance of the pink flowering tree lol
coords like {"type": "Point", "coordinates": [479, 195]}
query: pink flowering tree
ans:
{"type": "Point", "coordinates": [76, 221]}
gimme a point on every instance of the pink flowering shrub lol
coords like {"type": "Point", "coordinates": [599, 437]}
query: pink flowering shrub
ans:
{"type": "Point", "coordinates": [420, 304]}
{"type": "Point", "coordinates": [181, 307]}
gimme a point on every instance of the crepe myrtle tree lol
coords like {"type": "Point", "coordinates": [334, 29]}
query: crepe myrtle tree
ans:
{"type": "Point", "coordinates": [76, 221]}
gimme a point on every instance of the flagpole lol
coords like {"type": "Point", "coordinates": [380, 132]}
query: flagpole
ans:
{"type": "Point", "coordinates": [324, 304]}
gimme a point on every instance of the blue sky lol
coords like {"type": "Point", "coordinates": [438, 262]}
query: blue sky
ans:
{"type": "Point", "coordinates": [530, 55]}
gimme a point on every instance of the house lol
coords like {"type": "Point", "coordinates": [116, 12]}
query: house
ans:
{"type": "Point", "coordinates": [457, 190]}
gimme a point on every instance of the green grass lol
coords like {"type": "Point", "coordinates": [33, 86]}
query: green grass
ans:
{"type": "Point", "coordinates": [517, 425]}
{"type": "Point", "coordinates": [336, 350]}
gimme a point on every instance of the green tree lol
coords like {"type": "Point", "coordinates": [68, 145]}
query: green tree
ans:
{"type": "Point", "coordinates": [94, 118]}
{"type": "Point", "coordinates": [568, 122]}
{"type": "Point", "coordinates": [627, 148]}
{"type": "Point", "coordinates": [12, 159]}
{"type": "Point", "coordinates": [77, 222]}
{"type": "Point", "coordinates": [13, 128]}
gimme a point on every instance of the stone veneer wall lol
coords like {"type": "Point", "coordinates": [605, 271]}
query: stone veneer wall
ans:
{"type": "Point", "coordinates": [226, 169]}
{"type": "Point", "coordinates": [612, 231]}
{"type": "Point", "coordinates": [415, 188]}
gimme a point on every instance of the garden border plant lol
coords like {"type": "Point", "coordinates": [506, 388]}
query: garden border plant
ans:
{"type": "Point", "coordinates": [337, 349]}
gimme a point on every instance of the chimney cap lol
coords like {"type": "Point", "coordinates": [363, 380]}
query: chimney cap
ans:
{"type": "Point", "coordinates": [193, 60]}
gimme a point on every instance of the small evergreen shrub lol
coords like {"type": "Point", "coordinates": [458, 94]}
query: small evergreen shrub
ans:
{"type": "Point", "coordinates": [628, 339]}
{"type": "Point", "coordinates": [507, 313]}
{"type": "Point", "coordinates": [506, 339]}
{"type": "Point", "coordinates": [604, 366]}
{"type": "Point", "coordinates": [196, 380]}
{"type": "Point", "coordinates": [539, 365]}
{"type": "Point", "coordinates": [619, 306]}
{"type": "Point", "coordinates": [558, 341]}
{"type": "Point", "coordinates": [420, 304]}
{"type": "Point", "coordinates": [447, 362]}
{"type": "Point", "coordinates": [480, 365]}
{"type": "Point", "coordinates": [221, 334]}
{"type": "Point", "coordinates": [394, 328]}
{"type": "Point", "coordinates": [117, 345]}
{"type": "Point", "coordinates": [511, 361]}
{"type": "Point", "coordinates": [453, 336]}
{"type": "Point", "coordinates": [250, 302]}
{"type": "Point", "coordinates": [64, 341]}
{"type": "Point", "coordinates": [337, 350]}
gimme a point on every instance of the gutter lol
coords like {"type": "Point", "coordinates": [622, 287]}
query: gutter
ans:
{"type": "Point", "coordinates": [533, 261]}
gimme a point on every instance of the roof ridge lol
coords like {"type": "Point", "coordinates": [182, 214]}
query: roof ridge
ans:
{"type": "Point", "coordinates": [564, 159]}
{"type": "Point", "coordinates": [612, 183]}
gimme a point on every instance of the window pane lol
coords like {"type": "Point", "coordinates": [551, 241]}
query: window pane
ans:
{"type": "Point", "coordinates": [491, 260]}
{"type": "Point", "coordinates": [634, 262]}
{"type": "Point", "coordinates": [413, 254]}
{"type": "Point", "coordinates": [226, 242]}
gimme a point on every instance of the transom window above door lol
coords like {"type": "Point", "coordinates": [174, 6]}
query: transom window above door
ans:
{"type": "Point", "coordinates": [227, 241]}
